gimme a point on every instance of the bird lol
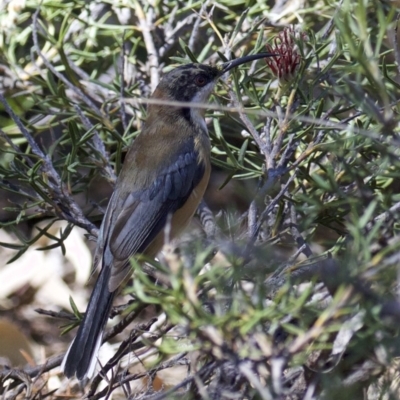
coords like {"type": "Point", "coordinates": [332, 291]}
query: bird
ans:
{"type": "Point", "coordinates": [163, 179]}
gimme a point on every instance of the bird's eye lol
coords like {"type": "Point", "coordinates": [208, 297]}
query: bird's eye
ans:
{"type": "Point", "coordinates": [200, 80]}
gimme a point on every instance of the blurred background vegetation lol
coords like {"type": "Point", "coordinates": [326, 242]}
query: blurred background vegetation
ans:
{"type": "Point", "coordinates": [287, 285]}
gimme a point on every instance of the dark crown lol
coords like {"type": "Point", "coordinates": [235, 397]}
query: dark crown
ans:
{"type": "Point", "coordinates": [185, 81]}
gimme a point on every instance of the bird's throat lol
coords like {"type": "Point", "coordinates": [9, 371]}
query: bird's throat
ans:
{"type": "Point", "coordinates": [197, 118]}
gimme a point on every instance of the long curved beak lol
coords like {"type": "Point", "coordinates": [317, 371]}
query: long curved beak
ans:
{"type": "Point", "coordinates": [242, 60]}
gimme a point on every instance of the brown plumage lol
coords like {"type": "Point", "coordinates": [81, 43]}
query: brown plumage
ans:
{"type": "Point", "coordinates": [166, 172]}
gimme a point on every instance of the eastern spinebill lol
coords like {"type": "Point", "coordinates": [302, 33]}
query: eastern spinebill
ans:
{"type": "Point", "coordinates": [163, 178]}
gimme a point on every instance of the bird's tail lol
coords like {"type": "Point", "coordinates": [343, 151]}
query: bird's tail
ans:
{"type": "Point", "coordinates": [81, 356]}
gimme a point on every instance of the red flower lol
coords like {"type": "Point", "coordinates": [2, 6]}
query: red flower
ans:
{"type": "Point", "coordinates": [285, 64]}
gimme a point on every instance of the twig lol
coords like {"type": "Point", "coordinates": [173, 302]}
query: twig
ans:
{"type": "Point", "coordinates": [290, 148]}
{"type": "Point", "coordinates": [118, 328]}
{"type": "Point", "coordinates": [267, 113]}
{"type": "Point", "coordinates": [122, 109]}
{"type": "Point", "coordinates": [284, 126]}
{"type": "Point", "coordinates": [177, 360]}
{"type": "Point", "coordinates": [195, 30]}
{"type": "Point", "coordinates": [51, 363]}
{"type": "Point", "coordinates": [10, 142]}
{"type": "Point", "coordinates": [54, 362]}
{"type": "Point", "coordinates": [178, 29]}
{"type": "Point", "coordinates": [144, 24]}
{"type": "Point", "coordinates": [79, 71]}
{"type": "Point", "coordinates": [57, 314]}
{"type": "Point", "coordinates": [31, 141]}
{"type": "Point", "coordinates": [273, 204]}
{"type": "Point", "coordinates": [124, 348]}
{"type": "Point", "coordinates": [266, 137]}
{"type": "Point", "coordinates": [252, 219]}
{"type": "Point", "coordinates": [363, 373]}
{"type": "Point", "coordinates": [250, 127]}
{"type": "Point", "coordinates": [64, 206]}
{"type": "Point", "coordinates": [262, 390]}
{"type": "Point", "coordinates": [329, 27]}
{"type": "Point", "coordinates": [385, 215]}
{"type": "Point", "coordinates": [396, 43]}
{"type": "Point", "coordinates": [67, 83]}
{"type": "Point", "coordinates": [107, 170]}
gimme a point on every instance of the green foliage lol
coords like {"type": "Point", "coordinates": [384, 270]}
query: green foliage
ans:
{"type": "Point", "coordinates": [305, 280]}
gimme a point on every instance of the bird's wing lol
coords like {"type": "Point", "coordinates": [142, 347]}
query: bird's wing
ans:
{"type": "Point", "coordinates": [144, 212]}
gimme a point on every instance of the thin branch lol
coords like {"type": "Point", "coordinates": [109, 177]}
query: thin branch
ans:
{"type": "Point", "coordinates": [262, 390]}
{"type": "Point", "coordinates": [54, 362]}
{"type": "Point", "coordinates": [195, 30]}
{"type": "Point", "coordinates": [273, 203]}
{"type": "Point", "coordinates": [124, 348]}
{"type": "Point", "coordinates": [144, 24]}
{"type": "Point", "coordinates": [175, 361]}
{"type": "Point", "coordinates": [386, 215]}
{"type": "Point", "coordinates": [174, 30]}
{"type": "Point", "coordinates": [252, 219]}
{"type": "Point", "coordinates": [107, 170]}
{"type": "Point", "coordinates": [62, 78]}
{"type": "Point", "coordinates": [284, 126]}
{"type": "Point", "coordinates": [396, 43]}
{"type": "Point", "coordinates": [123, 60]}
{"type": "Point", "coordinates": [9, 141]}
{"type": "Point", "coordinates": [331, 24]}
{"type": "Point", "coordinates": [64, 205]}
{"type": "Point", "coordinates": [250, 127]}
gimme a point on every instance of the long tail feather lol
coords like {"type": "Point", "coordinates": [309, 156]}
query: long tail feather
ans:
{"type": "Point", "coordinates": [81, 357]}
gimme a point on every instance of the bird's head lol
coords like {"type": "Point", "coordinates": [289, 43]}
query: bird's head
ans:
{"type": "Point", "coordinates": [193, 83]}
